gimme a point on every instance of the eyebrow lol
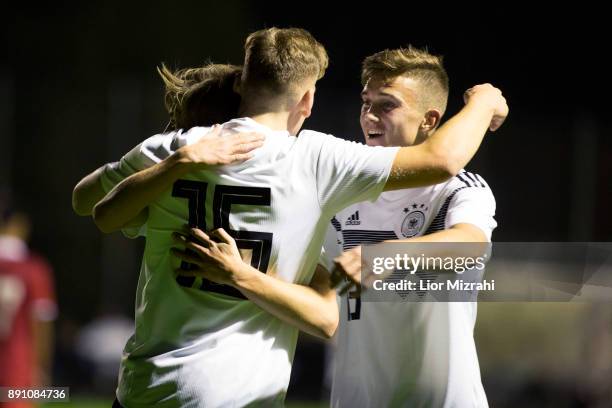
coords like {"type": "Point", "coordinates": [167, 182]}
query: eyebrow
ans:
{"type": "Point", "coordinates": [384, 95]}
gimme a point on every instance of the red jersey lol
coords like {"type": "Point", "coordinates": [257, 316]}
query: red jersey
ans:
{"type": "Point", "coordinates": [26, 294]}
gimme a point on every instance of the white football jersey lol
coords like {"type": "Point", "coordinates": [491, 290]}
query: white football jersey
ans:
{"type": "Point", "coordinates": [198, 343]}
{"type": "Point", "coordinates": [409, 354]}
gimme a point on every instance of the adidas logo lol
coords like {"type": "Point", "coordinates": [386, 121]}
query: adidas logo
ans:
{"type": "Point", "coordinates": [353, 219]}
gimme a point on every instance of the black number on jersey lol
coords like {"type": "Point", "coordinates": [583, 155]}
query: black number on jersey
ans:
{"type": "Point", "coordinates": [224, 196]}
{"type": "Point", "coordinates": [259, 242]}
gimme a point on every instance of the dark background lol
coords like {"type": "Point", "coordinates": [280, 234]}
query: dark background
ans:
{"type": "Point", "coordinates": [78, 88]}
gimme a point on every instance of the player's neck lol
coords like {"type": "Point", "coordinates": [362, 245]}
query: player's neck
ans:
{"type": "Point", "coordinates": [273, 120]}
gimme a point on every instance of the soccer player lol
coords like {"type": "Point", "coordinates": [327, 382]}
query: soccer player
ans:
{"type": "Point", "coordinates": [199, 342]}
{"type": "Point", "coordinates": [404, 98]}
{"type": "Point", "coordinates": [27, 308]}
{"type": "Point", "coordinates": [408, 353]}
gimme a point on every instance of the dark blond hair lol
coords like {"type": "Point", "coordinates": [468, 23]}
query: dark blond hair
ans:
{"type": "Point", "coordinates": [279, 59]}
{"type": "Point", "coordinates": [200, 96]}
{"type": "Point", "coordinates": [413, 63]}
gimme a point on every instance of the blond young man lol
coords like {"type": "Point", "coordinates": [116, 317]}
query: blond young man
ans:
{"type": "Point", "coordinates": [407, 353]}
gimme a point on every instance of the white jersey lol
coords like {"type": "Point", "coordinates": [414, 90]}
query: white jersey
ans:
{"type": "Point", "coordinates": [200, 344]}
{"type": "Point", "coordinates": [409, 354]}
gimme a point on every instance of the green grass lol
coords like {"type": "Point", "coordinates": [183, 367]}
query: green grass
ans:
{"type": "Point", "coordinates": [98, 403]}
{"type": "Point", "coordinates": [80, 403]}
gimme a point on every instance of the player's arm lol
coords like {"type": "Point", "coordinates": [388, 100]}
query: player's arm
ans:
{"type": "Point", "coordinates": [348, 264]}
{"type": "Point", "coordinates": [312, 309]}
{"type": "Point", "coordinates": [130, 198]}
{"type": "Point", "coordinates": [452, 146]}
{"type": "Point", "coordinates": [470, 217]}
{"type": "Point", "coordinates": [87, 193]}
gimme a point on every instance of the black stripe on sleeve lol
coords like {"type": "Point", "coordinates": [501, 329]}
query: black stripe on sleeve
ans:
{"type": "Point", "coordinates": [466, 182]}
{"type": "Point", "coordinates": [336, 224]}
{"type": "Point", "coordinates": [439, 221]}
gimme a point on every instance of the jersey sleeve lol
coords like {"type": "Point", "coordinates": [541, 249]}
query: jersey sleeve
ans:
{"type": "Point", "coordinates": [473, 204]}
{"type": "Point", "coordinates": [350, 172]}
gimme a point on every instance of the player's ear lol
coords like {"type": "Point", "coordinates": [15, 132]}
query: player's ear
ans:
{"type": "Point", "coordinates": [307, 102]}
{"type": "Point", "coordinates": [431, 120]}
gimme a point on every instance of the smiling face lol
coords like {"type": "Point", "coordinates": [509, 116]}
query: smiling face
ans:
{"type": "Point", "coordinates": [391, 113]}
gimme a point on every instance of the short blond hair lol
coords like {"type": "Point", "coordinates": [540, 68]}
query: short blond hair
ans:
{"type": "Point", "coordinates": [414, 63]}
{"type": "Point", "coordinates": [200, 96]}
{"type": "Point", "coordinates": [279, 59]}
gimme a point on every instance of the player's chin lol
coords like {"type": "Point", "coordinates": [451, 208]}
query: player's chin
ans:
{"type": "Point", "coordinates": [378, 140]}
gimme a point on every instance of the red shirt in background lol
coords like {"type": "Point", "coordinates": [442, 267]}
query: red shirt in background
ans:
{"type": "Point", "coordinates": [26, 295]}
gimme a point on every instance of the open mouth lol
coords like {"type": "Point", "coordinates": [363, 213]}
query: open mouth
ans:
{"type": "Point", "coordinates": [373, 134]}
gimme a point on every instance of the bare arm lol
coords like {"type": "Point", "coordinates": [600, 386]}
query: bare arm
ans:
{"type": "Point", "coordinates": [348, 264]}
{"type": "Point", "coordinates": [133, 195]}
{"type": "Point", "coordinates": [312, 309]}
{"type": "Point", "coordinates": [87, 193]}
{"type": "Point", "coordinates": [452, 146]}
{"type": "Point", "coordinates": [462, 232]}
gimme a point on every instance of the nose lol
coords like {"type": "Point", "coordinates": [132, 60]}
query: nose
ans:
{"type": "Point", "coordinates": [370, 116]}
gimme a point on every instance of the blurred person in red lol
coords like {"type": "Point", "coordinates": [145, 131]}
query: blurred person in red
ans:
{"type": "Point", "coordinates": [27, 307]}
